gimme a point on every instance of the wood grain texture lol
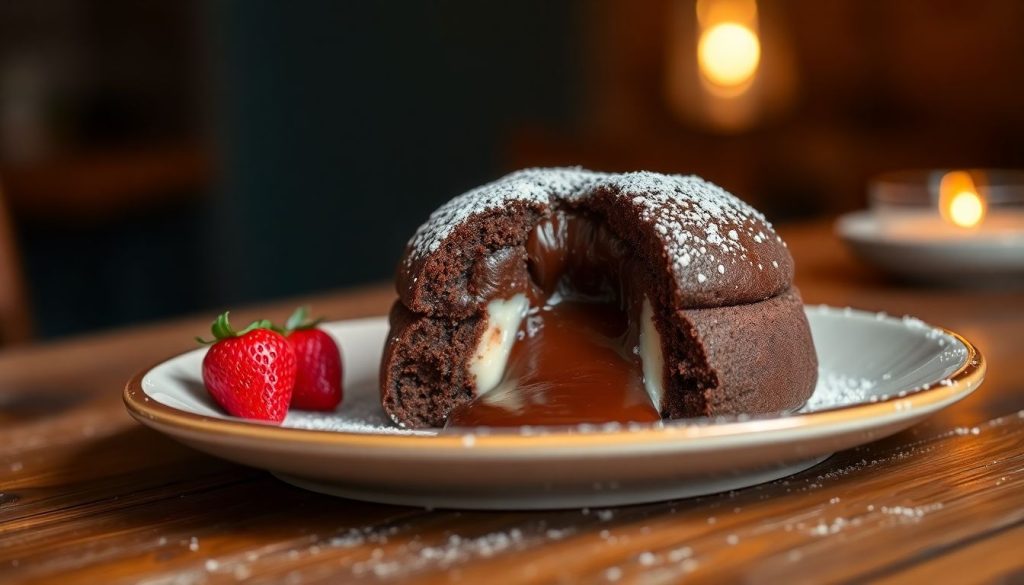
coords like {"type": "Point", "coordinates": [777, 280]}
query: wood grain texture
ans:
{"type": "Point", "coordinates": [89, 496]}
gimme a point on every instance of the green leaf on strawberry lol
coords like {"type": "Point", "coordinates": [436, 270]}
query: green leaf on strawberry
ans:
{"type": "Point", "coordinates": [221, 328]}
{"type": "Point", "coordinates": [299, 319]}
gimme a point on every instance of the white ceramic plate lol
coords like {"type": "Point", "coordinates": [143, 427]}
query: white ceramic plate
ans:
{"type": "Point", "coordinates": [879, 375]}
{"type": "Point", "coordinates": [981, 258]}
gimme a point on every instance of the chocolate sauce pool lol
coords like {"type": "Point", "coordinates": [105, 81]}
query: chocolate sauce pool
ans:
{"type": "Point", "coordinates": [577, 359]}
{"type": "Point", "coordinates": [573, 369]}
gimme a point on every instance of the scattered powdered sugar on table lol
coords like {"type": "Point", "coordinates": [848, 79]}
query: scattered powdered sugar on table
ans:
{"type": "Point", "coordinates": [912, 512]}
{"type": "Point", "coordinates": [450, 550]}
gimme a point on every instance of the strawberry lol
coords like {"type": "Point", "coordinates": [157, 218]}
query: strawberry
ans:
{"type": "Point", "coordinates": [318, 379]}
{"type": "Point", "coordinates": [250, 373]}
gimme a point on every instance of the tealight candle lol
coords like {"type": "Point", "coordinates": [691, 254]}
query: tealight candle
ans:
{"type": "Point", "coordinates": [954, 225]}
{"type": "Point", "coordinates": [956, 205]}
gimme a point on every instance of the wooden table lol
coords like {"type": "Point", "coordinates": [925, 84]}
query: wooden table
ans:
{"type": "Point", "coordinates": [89, 496]}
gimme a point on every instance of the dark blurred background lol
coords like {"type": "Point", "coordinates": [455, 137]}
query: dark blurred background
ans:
{"type": "Point", "coordinates": [158, 158]}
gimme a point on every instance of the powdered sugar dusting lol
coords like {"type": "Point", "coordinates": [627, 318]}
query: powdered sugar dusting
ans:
{"type": "Point", "coordinates": [360, 413]}
{"type": "Point", "coordinates": [703, 228]}
{"type": "Point", "coordinates": [538, 186]}
{"type": "Point", "coordinates": [835, 389]}
{"type": "Point", "coordinates": [689, 214]}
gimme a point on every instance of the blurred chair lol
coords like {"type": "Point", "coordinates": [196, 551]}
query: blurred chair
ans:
{"type": "Point", "coordinates": [15, 322]}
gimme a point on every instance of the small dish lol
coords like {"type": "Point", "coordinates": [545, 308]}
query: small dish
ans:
{"type": "Point", "coordinates": [961, 257]}
{"type": "Point", "coordinates": [879, 375]}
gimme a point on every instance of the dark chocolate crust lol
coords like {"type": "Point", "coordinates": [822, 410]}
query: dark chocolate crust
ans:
{"type": "Point", "coordinates": [760, 359]}
{"type": "Point", "coordinates": [734, 336]}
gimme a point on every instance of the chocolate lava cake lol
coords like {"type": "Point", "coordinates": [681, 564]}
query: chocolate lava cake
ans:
{"type": "Point", "coordinates": [564, 296]}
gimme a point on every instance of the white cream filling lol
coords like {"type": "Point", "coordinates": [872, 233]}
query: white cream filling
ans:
{"type": "Point", "coordinates": [651, 358]}
{"type": "Point", "coordinates": [491, 356]}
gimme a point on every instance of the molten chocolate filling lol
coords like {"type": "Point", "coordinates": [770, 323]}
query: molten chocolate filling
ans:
{"type": "Point", "coordinates": [577, 355]}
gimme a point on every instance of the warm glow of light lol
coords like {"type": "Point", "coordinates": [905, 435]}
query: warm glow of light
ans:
{"type": "Point", "coordinates": [712, 12]}
{"type": "Point", "coordinates": [728, 54]}
{"type": "Point", "coordinates": [959, 201]}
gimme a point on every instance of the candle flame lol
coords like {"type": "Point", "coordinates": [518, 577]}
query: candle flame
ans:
{"type": "Point", "coordinates": [959, 201]}
{"type": "Point", "coordinates": [728, 48]}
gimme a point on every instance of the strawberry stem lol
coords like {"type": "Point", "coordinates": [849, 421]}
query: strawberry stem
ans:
{"type": "Point", "coordinates": [221, 328]}
{"type": "Point", "coordinates": [297, 318]}
{"type": "Point", "coordinates": [259, 324]}
{"type": "Point", "coordinates": [300, 320]}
